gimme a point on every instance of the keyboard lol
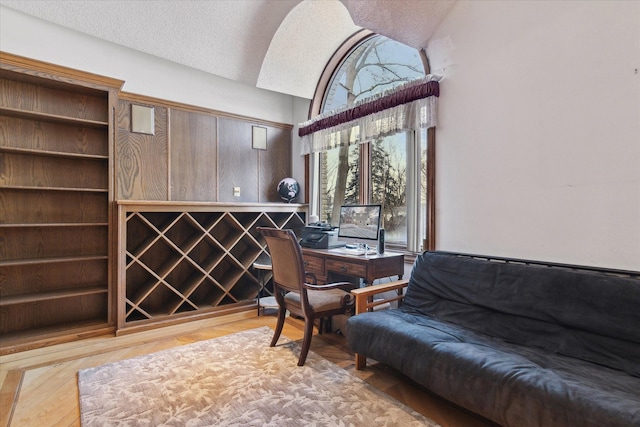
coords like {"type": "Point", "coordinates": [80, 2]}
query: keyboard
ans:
{"type": "Point", "coordinates": [357, 251]}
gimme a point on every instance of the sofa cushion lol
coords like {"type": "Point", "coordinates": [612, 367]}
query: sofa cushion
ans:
{"type": "Point", "coordinates": [587, 315]}
{"type": "Point", "coordinates": [511, 384]}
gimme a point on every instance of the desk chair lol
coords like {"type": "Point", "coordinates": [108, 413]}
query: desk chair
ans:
{"type": "Point", "coordinates": [293, 293]}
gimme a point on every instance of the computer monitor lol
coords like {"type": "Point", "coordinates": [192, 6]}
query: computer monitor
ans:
{"type": "Point", "coordinates": [360, 221]}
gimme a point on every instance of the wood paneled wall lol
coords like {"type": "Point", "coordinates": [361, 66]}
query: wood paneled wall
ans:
{"type": "Point", "coordinates": [142, 161]}
{"type": "Point", "coordinates": [197, 155]}
{"type": "Point", "coordinates": [239, 162]}
{"type": "Point", "coordinates": [194, 156]}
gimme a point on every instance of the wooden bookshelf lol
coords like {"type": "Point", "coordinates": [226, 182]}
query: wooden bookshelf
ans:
{"type": "Point", "coordinates": [180, 260]}
{"type": "Point", "coordinates": [55, 195]}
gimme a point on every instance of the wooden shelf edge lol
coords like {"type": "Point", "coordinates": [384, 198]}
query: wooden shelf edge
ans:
{"type": "Point", "coordinates": [52, 295]}
{"type": "Point", "coordinates": [50, 153]}
{"type": "Point", "coordinates": [179, 206]}
{"type": "Point", "coordinates": [56, 224]}
{"type": "Point", "coordinates": [53, 118]}
{"type": "Point", "coordinates": [71, 189]}
{"type": "Point", "coordinates": [52, 260]}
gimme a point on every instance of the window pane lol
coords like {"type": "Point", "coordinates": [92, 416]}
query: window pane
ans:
{"type": "Point", "coordinates": [345, 161]}
{"type": "Point", "coordinates": [389, 185]}
{"type": "Point", "coordinates": [377, 64]}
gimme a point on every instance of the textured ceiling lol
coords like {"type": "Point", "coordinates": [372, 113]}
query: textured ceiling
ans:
{"type": "Point", "coordinates": [411, 22]}
{"type": "Point", "coordinates": [279, 45]}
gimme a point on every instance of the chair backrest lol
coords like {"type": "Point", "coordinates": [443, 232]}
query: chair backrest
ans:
{"type": "Point", "coordinates": [286, 258]}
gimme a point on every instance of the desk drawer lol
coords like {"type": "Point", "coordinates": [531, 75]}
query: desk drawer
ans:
{"type": "Point", "coordinates": [314, 264]}
{"type": "Point", "coordinates": [348, 268]}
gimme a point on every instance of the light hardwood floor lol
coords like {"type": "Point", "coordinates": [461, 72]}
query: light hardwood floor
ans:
{"type": "Point", "coordinates": [39, 387]}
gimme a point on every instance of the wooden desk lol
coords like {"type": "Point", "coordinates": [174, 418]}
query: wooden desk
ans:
{"type": "Point", "coordinates": [321, 262]}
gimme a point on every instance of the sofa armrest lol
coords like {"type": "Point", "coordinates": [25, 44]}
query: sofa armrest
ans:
{"type": "Point", "coordinates": [364, 296]}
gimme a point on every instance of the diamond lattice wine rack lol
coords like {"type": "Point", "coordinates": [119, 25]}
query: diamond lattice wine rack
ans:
{"type": "Point", "coordinates": [177, 261]}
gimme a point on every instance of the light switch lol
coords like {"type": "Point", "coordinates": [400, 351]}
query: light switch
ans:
{"type": "Point", "coordinates": [236, 191]}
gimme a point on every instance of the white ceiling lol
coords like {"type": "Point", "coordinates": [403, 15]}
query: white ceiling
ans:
{"type": "Point", "coordinates": [279, 45]}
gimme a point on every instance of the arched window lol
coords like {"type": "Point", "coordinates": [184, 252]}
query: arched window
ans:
{"type": "Point", "coordinates": [374, 65]}
{"type": "Point", "coordinates": [388, 170]}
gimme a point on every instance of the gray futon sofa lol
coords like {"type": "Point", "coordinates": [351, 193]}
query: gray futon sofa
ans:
{"type": "Point", "coordinates": [520, 343]}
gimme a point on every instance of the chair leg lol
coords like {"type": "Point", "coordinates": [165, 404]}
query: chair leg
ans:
{"type": "Point", "coordinates": [279, 326]}
{"type": "Point", "coordinates": [306, 343]}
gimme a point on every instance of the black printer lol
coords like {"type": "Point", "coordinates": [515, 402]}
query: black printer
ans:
{"type": "Point", "coordinates": [320, 236]}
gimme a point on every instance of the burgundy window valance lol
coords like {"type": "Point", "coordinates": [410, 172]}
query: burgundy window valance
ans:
{"type": "Point", "coordinates": [409, 106]}
{"type": "Point", "coordinates": [409, 94]}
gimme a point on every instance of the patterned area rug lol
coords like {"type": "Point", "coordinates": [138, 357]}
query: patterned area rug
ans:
{"type": "Point", "coordinates": [235, 380]}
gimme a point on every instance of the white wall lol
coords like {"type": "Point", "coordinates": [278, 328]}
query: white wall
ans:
{"type": "Point", "coordinates": [539, 130]}
{"type": "Point", "coordinates": [24, 35]}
